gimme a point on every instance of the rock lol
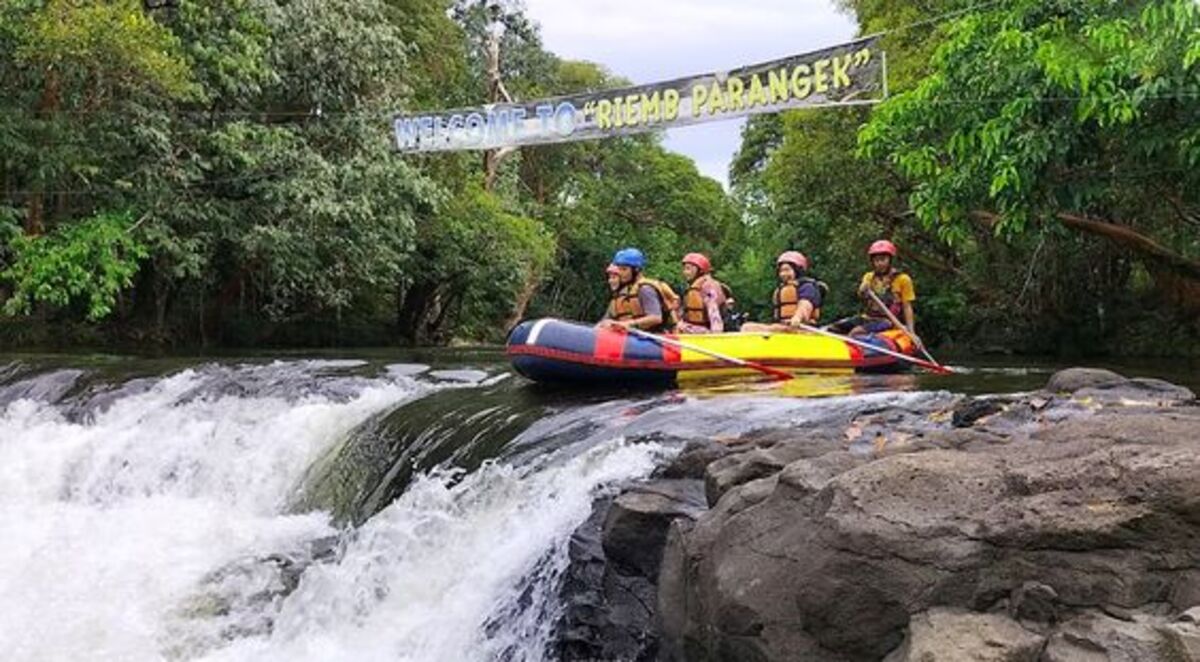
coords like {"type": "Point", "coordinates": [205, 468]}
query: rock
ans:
{"type": "Point", "coordinates": [740, 468]}
{"type": "Point", "coordinates": [1034, 602]}
{"type": "Point", "coordinates": [1107, 387]}
{"type": "Point", "coordinates": [951, 635]}
{"type": "Point", "coordinates": [1138, 391]}
{"type": "Point", "coordinates": [1182, 640]}
{"type": "Point", "coordinates": [836, 553]}
{"type": "Point", "coordinates": [635, 528]}
{"type": "Point", "coordinates": [606, 615]}
{"type": "Point", "coordinates": [1190, 615]}
{"type": "Point", "coordinates": [969, 411]}
{"type": "Point", "coordinates": [1097, 636]}
{"type": "Point", "coordinates": [694, 459]}
{"type": "Point", "coordinates": [1073, 379]}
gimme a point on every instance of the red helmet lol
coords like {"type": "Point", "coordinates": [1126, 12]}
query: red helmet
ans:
{"type": "Point", "coordinates": [794, 258]}
{"type": "Point", "coordinates": [612, 270]}
{"type": "Point", "coordinates": [699, 261]}
{"type": "Point", "coordinates": [882, 247]}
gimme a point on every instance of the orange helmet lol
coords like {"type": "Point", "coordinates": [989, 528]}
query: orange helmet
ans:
{"type": "Point", "coordinates": [699, 261]}
{"type": "Point", "coordinates": [882, 247]}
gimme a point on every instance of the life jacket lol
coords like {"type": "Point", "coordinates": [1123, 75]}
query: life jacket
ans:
{"type": "Point", "coordinates": [626, 306]}
{"type": "Point", "coordinates": [694, 310]}
{"type": "Point", "coordinates": [888, 297]}
{"type": "Point", "coordinates": [787, 298]}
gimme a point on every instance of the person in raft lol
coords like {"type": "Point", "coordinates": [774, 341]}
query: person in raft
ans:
{"type": "Point", "coordinates": [797, 299]}
{"type": "Point", "coordinates": [612, 274]}
{"type": "Point", "coordinates": [639, 302]}
{"type": "Point", "coordinates": [893, 287]}
{"type": "Point", "coordinates": [706, 298]}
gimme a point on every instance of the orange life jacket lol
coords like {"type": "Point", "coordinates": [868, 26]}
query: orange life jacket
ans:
{"type": "Point", "coordinates": [694, 310]}
{"type": "Point", "coordinates": [787, 298]}
{"type": "Point", "coordinates": [888, 296]}
{"type": "Point", "coordinates": [626, 306]}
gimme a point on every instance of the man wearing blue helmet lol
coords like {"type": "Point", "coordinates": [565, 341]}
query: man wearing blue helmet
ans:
{"type": "Point", "coordinates": [640, 302]}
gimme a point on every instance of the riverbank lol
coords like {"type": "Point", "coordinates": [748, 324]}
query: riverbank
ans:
{"type": "Point", "coordinates": [1050, 525]}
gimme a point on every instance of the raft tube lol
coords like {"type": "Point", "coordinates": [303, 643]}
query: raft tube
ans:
{"type": "Point", "coordinates": [556, 351]}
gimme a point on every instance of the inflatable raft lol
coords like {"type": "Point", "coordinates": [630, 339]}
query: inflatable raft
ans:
{"type": "Point", "coordinates": [550, 350]}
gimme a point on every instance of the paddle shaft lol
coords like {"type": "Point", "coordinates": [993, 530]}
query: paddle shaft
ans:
{"type": "Point", "coordinates": [778, 374]}
{"type": "Point", "coordinates": [936, 367]}
{"type": "Point", "coordinates": [903, 327]}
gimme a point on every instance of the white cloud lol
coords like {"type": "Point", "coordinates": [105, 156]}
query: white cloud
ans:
{"type": "Point", "coordinates": [651, 40]}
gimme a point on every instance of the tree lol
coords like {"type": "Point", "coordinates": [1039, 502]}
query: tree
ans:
{"type": "Point", "coordinates": [1072, 114]}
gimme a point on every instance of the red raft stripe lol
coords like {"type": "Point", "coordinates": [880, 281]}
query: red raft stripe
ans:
{"type": "Point", "coordinates": [610, 345]}
{"type": "Point", "coordinates": [671, 353]}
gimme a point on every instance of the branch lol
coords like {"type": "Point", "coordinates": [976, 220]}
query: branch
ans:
{"type": "Point", "coordinates": [1129, 238]}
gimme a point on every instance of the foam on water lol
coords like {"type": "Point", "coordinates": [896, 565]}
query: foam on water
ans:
{"type": "Point", "coordinates": [107, 525]}
{"type": "Point", "coordinates": [453, 570]}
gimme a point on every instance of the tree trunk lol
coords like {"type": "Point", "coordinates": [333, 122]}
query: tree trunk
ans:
{"type": "Point", "coordinates": [522, 302]}
{"type": "Point", "coordinates": [1177, 276]}
{"type": "Point", "coordinates": [48, 104]}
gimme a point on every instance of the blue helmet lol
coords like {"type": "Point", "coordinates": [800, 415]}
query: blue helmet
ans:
{"type": "Point", "coordinates": [630, 257]}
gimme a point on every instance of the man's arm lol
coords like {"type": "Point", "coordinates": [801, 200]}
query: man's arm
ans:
{"type": "Point", "coordinates": [712, 295]}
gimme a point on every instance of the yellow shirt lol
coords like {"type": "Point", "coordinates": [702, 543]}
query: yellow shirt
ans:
{"type": "Point", "coordinates": [902, 286]}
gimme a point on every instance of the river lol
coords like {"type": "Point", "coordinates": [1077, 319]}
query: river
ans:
{"type": "Point", "coordinates": [378, 505]}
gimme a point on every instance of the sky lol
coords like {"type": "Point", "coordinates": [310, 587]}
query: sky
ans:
{"type": "Point", "coordinates": [655, 40]}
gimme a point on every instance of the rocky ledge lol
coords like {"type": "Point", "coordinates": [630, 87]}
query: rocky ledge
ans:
{"type": "Point", "coordinates": [1054, 526]}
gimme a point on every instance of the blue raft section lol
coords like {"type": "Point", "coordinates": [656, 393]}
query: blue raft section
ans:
{"type": "Point", "coordinates": [562, 352]}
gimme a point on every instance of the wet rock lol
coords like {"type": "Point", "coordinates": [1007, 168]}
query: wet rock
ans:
{"type": "Point", "coordinates": [49, 388]}
{"type": "Point", "coordinates": [610, 588]}
{"type": "Point", "coordinates": [695, 457]}
{"type": "Point", "coordinates": [635, 528]}
{"type": "Point", "coordinates": [952, 635]}
{"type": "Point", "coordinates": [1073, 379]}
{"type": "Point", "coordinates": [972, 410]}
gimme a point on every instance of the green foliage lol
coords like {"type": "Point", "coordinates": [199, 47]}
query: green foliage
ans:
{"type": "Point", "coordinates": [102, 45]}
{"type": "Point", "coordinates": [1087, 89]}
{"type": "Point", "coordinates": [88, 262]}
{"type": "Point", "coordinates": [478, 257]}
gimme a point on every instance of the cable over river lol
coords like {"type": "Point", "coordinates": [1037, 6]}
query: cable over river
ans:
{"type": "Point", "coordinates": [318, 509]}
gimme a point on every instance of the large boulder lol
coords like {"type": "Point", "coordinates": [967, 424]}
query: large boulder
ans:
{"type": "Point", "coordinates": [635, 528]}
{"type": "Point", "coordinates": [609, 588]}
{"type": "Point", "coordinates": [1109, 387]}
{"type": "Point", "coordinates": [832, 557]}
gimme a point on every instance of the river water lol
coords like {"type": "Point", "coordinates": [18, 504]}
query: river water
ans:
{"type": "Point", "coordinates": [366, 506]}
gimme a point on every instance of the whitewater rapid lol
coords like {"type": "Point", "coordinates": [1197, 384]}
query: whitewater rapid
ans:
{"type": "Point", "coordinates": [118, 522]}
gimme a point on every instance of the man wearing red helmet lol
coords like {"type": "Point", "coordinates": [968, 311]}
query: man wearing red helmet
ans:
{"type": "Point", "coordinates": [797, 299]}
{"type": "Point", "coordinates": [705, 298]}
{"type": "Point", "coordinates": [894, 289]}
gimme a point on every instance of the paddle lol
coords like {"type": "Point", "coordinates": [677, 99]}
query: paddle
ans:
{"type": "Point", "coordinates": [662, 340]}
{"type": "Point", "coordinates": [911, 334]}
{"type": "Point", "coordinates": [928, 365]}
